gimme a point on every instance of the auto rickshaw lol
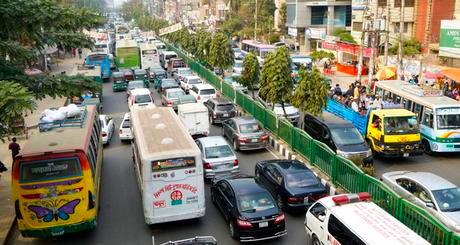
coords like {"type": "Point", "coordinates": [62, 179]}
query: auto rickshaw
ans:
{"type": "Point", "coordinates": [157, 74]}
{"type": "Point", "coordinates": [141, 74]}
{"type": "Point", "coordinates": [119, 82]}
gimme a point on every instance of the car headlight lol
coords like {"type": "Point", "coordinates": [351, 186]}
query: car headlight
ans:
{"type": "Point", "coordinates": [343, 154]}
{"type": "Point", "coordinates": [369, 153]}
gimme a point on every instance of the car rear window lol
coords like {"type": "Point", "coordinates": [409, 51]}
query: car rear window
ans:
{"type": "Point", "coordinates": [142, 98]}
{"type": "Point", "coordinates": [255, 202]}
{"type": "Point", "coordinates": [133, 85]}
{"type": "Point", "coordinates": [194, 81]}
{"type": "Point", "coordinates": [250, 128]}
{"type": "Point", "coordinates": [126, 124]}
{"type": "Point", "coordinates": [218, 151]}
{"type": "Point", "coordinates": [175, 94]}
{"type": "Point", "coordinates": [301, 180]}
{"type": "Point", "coordinates": [207, 91]}
{"type": "Point", "coordinates": [225, 107]}
{"type": "Point", "coordinates": [50, 169]}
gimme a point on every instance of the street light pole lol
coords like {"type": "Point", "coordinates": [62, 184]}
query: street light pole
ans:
{"type": "Point", "coordinates": [255, 24]}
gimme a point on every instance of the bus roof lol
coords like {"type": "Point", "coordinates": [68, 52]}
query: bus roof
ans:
{"type": "Point", "coordinates": [159, 132]}
{"type": "Point", "coordinates": [62, 139]}
{"type": "Point", "coordinates": [126, 43]}
{"type": "Point", "coordinates": [89, 71]}
{"type": "Point", "coordinates": [416, 94]}
{"type": "Point", "coordinates": [147, 46]}
{"type": "Point", "coordinates": [258, 44]}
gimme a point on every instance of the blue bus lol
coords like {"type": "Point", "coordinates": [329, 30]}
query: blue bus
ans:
{"type": "Point", "coordinates": [101, 59]}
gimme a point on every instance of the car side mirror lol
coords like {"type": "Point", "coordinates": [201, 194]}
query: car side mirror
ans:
{"type": "Point", "coordinates": [322, 217]}
{"type": "Point", "coordinates": [429, 205]}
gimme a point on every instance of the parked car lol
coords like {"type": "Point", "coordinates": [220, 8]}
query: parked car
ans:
{"type": "Point", "coordinates": [107, 128]}
{"type": "Point", "coordinates": [218, 157]}
{"type": "Point", "coordinates": [194, 116]}
{"type": "Point", "coordinates": [181, 73]}
{"type": "Point", "coordinates": [294, 186]}
{"type": "Point", "coordinates": [245, 133]}
{"type": "Point", "coordinates": [238, 55]}
{"type": "Point", "coordinates": [125, 128]}
{"type": "Point", "coordinates": [167, 84]}
{"type": "Point", "coordinates": [238, 67]}
{"type": "Point", "coordinates": [436, 195]}
{"type": "Point", "coordinates": [339, 135]}
{"type": "Point", "coordinates": [171, 96]}
{"type": "Point", "coordinates": [220, 109]}
{"type": "Point", "coordinates": [249, 209]}
{"type": "Point", "coordinates": [134, 85]}
{"type": "Point", "coordinates": [293, 114]}
{"type": "Point", "coordinates": [203, 92]}
{"type": "Point", "coordinates": [140, 97]}
{"type": "Point", "coordinates": [188, 81]}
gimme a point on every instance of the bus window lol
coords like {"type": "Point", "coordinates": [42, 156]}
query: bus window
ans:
{"type": "Point", "coordinates": [397, 99]}
{"type": "Point", "coordinates": [50, 169]}
{"type": "Point", "coordinates": [428, 118]}
{"type": "Point", "coordinates": [386, 95]}
{"type": "Point", "coordinates": [418, 110]}
{"type": "Point", "coordinates": [407, 104]}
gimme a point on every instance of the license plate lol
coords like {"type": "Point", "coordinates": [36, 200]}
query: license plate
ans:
{"type": "Point", "coordinates": [226, 115]}
{"type": "Point", "coordinates": [305, 200]}
{"type": "Point", "coordinates": [263, 224]}
{"type": "Point", "coordinates": [406, 154]}
{"type": "Point", "coordinates": [254, 140]}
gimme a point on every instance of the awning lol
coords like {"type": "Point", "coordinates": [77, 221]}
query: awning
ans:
{"type": "Point", "coordinates": [452, 73]}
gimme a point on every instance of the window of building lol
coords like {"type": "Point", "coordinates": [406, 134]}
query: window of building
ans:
{"type": "Point", "coordinates": [319, 15]}
{"type": "Point", "coordinates": [407, 3]}
{"type": "Point", "coordinates": [382, 3]}
{"type": "Point", "coordinates": [357, 26]}
{"type": "Point", "coordinates": [396, 27]}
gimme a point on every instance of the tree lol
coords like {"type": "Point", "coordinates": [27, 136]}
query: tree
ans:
{"type": "Point", "coordinates": [343, 35]}
{"type": "Point", "coordinates": [203, 39]}
{"type": "Point", "coordinates": [310, 96]}
{"type": "Point", "coordinates": [251, 72]}
{"type": "Point", "coordinates": [410, 47]}
{"type": "Point", "coordinates": [283, 18]}
{"type": "Point", "coordinates": [276, 82]}
{"type": "Point", "coordinates": [221, 52]}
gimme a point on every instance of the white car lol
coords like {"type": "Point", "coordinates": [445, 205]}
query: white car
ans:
{"type": "Point", "coordinates": [180, 73]}
{"type": "Point", "coordinates": [125, 128]}
{"type": "Point", "coordinates": [238, 67]}
{"type": "Point", "coordinates": [108, 128]}
{"type": "Point", "coordinates": [203, 92]}
{"type": "Point", "coordinates": [140, 97]}
{"type": "Point", "coordinates": [187, 83]}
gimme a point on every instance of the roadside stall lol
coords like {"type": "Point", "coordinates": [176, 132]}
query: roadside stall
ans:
{"type": "Point", "coordinates": [452, 78]}
{"type": "Point", "coordinates": [348, 58]}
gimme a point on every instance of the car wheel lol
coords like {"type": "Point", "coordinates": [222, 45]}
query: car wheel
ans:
{"type": "Point", "coordinates": [280, 202]}
{"type": "Point", "coordinates": [235, 146]}
{"type": "Point", "coordinates": [315, 241]}
{"type": "Point", "coordinates": [233, 231]}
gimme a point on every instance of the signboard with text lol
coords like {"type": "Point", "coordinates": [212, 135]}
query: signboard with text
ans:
{"type": "Point", "coordinates": [449, 42]}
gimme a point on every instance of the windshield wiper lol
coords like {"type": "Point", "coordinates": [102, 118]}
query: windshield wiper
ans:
{"type": "Point", "coordinates": [250, 210]}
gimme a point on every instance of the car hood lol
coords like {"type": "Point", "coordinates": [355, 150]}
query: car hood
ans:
{"type": "Point", "coordinates": [289, 110]}
{"type": "Point", "coordinates": [454, 218]}
{"type": "Point", "coordinates": [354, 148]}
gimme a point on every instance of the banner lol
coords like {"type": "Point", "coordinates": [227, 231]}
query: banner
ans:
{"type": "Point", "coordinates": [169, 29]}
{"type": "Point", "coordinates": [449, 42]}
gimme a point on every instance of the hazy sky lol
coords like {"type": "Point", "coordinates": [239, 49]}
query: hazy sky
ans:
{"type": "Point", "coordinates": [118, 2]}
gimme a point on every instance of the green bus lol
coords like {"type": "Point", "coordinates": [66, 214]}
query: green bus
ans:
{"type": "Point", "coordinates": [127, 54]}
{"type": "Point", "coordinates": [90, 71]}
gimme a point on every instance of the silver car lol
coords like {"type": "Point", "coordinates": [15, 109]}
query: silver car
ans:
{"type": "Point", "coordinates": [245, 133]}
{"type": "Point", "coordinates": [218, 157]}
{"type": "Point", "coordinates": [436, 195]}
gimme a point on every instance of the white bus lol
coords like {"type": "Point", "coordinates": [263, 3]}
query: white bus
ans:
{"type": "Point", "coordinates": [168, 166]}
{"type": "Point", "coordinates": [149, 55]}
{"type": "Point", "coordinates": [439, 116]}
{"type": "Point", "coordinates": [261, 49]}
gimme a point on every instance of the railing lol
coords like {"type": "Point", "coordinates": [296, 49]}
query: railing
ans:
{"type": "Point", "coordinates": [341, 171]}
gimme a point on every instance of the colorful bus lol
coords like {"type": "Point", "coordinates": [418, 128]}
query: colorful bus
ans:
{"type": "Point", "coordinates": [439, 116]}
{"type": "Point", "coordinates": [56, 178]}
{"type": "Point", "coordinates": [168, 166]}
{"type": "Point", "coordinates": [127, 54]}
{"type": "Point", "coordinates": [261, 49]}
{"type": "Point", "coordinates": [149, 55]}
{"type": "Point", "coordinates": [101, 59]}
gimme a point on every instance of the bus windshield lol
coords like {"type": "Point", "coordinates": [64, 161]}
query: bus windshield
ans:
{"type": "Point", "coordinates": [401, 125]}
{"type": "Point", "coordinates": [151, 51]}
{"type": "Point", "coordinates": [448, 121]}
{"type": "Point", "coordinates": [173, 164]}
{"type": "Point", "coordinates": [50, 169]}
{"type": "Point", "coordinates": [97, 57]}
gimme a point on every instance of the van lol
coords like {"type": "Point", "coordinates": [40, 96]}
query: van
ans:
{"type": "Point", "coordinates": [140, 97]}
{"type": "Point", "coordinates": [352, 219]}
{"type": "Point", "coordinates": [165, 56]}
{"type": "Point", "coordinates": [194, 116]}
{"type": "Point", "coordinates": [339, 135]}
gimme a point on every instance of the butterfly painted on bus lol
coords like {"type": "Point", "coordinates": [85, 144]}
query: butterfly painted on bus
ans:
{"type": "Point", "coordinates": [47, 214]}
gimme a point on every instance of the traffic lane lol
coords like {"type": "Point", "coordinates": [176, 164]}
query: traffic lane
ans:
{"type": "Point", "coordinates": [442, 164]}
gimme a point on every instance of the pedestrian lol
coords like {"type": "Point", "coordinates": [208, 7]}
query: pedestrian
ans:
{"type": "Point", "coordinates": [377, 102]}
{"type": "Point", "coordinates": [337, 90]}
{"type": "Point", "coordinates": [15, 148]}
{"type": "Point", "coordinates": [74, 52]}
{"type": "Point", "coordinates": [349, 91]}
{"type": "Point", "coordinates": [357, 90]}
{"type": "Point", "coordinates": [80, 51]}
{"type": "Point", "coordinates": [445, 88]}
{"type": "Point", "coordinates": [354, 105]}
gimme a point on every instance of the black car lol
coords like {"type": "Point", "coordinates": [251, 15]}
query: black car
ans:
{"type": "Point", "coordinates": [294, 186]}
{"type": "Point", "coordinates": [249, 210]}
{"type": "Point", "coordinates": [220, 109]}
{"type": "Point", "coordinates": [167, 84]}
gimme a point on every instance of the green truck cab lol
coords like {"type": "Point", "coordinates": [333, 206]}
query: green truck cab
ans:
{"type": "Point", "coordinates": [119, 82]}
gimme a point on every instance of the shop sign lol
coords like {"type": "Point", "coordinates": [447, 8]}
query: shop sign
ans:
{"type": "Point", "coordinates": [328, 45]}
{"type": "Point", "coordinates": [449, 42]}
{"type": "Point", "coordinates": [318, 33]}
{"type": "Point", "coordinates": [348, 48]}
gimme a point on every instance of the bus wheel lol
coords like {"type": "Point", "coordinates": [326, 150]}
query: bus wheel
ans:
{"type": "Point", "coordinates": [427, 147]}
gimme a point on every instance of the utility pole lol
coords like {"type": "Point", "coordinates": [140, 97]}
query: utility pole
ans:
{"type": "Point", "coordinates": [361, 47]}
{"type": "Point", "coordinates": [387, 33]}
{"type": "Point", "coordinates": [255, 24]}
{"type": "Point", "coordinates": [401, 36]}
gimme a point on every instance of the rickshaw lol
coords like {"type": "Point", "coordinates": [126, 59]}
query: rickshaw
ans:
{"type": "Point", "coordinates": [141, 74]}
{"type": "Point", "coordinates": [156, 75]}
{"type": "Point", "coordinates": [119, 82]}
{"type": "Point", "coordinates": [127, 73]}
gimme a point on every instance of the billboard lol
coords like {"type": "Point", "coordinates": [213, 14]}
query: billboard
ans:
{"type": "Point", "coordinates": [449, 41]}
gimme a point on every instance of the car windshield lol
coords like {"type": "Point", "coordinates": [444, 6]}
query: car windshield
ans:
{"type": "Point", "coordinates": [225, 107]}
{"type": "Point", "coordinates": [401, 125]}
{"type": "Point", "coordinates": [133, 85]}
{"type": "Point", "coordinates": [347, 136]}
{"type": "Point", "coordinates": [126, 124]}
{"type": "Point", "coordinates": [207, 91]}
{"type": "Point", "coordinates": [218, 151]}
{"type": "Point", "coordinates": [194, 81]}
{"type": "Point", "coordinates": [255, 202]}
{"type": "Point", "coordinates": [250, 128]}
{"type": "Point", "coordinates": [448, 121]}
{"type": "Point", "coordinates": [301, 180]}
{"type": "Point", "coordinates": [142, 98]}
{"type": "Point", "coordinates": [448, 199]}
{"type": "Point", "coordinates": [175, 94]}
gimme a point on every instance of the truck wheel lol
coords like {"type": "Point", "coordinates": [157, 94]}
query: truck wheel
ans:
{"type": "Point", "coordinates": [427, 147]}
{"type": "Point", "coordinates": [315, 241]}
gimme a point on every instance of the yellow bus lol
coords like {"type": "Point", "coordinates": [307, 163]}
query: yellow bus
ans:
{"type": "Point", "coordinates": [56, 178]}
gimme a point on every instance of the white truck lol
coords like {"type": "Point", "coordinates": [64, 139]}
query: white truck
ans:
{"type": "Point", "coordinates": [194, 116]}
{"type": "Point", "coordinates": [352, 219]}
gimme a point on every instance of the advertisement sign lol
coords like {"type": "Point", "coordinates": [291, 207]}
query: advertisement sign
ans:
{"type": "Point", "coordinates": [169, 29]}
{"type": "Point", "coordinates": [449, 42]}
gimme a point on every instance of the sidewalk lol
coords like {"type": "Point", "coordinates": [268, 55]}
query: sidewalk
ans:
{"type": "Point", "coordinates": [7, 209]}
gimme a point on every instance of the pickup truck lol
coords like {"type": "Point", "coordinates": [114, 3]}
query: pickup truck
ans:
{"type": "Point", "coordinates": [390, 132]}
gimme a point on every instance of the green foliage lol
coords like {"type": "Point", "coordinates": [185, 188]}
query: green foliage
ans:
{"type": "Point", "coordinates": [283, 19]}
{"type": "Point", "coordinates": [343, 35]}
{"type": "Point", "coordinates": [251, 72]}
{"type": "Point", "coordinates": [274, 37]}
{"type": "Point", "coordinates": [146, 22]}
{"type": "Point", "coordinates": [221, 52]}
{"type": "Point", "coordinates": [310, 96]}
{"type": "Point", "coordinates": [231, 24]}
{"type": "Point", "coordinates": [411, 47]}
{"type": "Point", "coordinates": [318, 55]}
{"type": "Point", "coordinates": [276, 83]}
{"type": "Point", "coordinates": [203, 39]}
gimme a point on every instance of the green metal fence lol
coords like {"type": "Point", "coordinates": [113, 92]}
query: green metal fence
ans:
{"type": "Point", "coordinates": [342, 172]}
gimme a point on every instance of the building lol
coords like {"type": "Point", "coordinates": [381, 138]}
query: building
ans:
{"type": "Point", "coordinates": [215, 11]}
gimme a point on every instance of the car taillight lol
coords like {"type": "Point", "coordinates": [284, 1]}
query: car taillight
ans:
{"type": "Point", "coordinates": [264, 137]}
{"type": "Point", "coordinates": [242, 139]}
{"type": "Point", "coordinates": [120, 131]}
{"type": "Point", "coordinates": [235, 162]}
{"type": "Point", "coordinates": [207, 165]}
{"type": "Point", "coordinates": [243, 223]}
{"type": "Point", "coordinates": [104, 134]}
{"type": "Point", "coordinates": [295, 199]}
{"type": "Point", "coordinates": [316, 197]}
{"type": "Point", "coordinates": [198, 98]}
{"type": "Point", "coordinates": [279, 219]}
{"type": "Point", "coordinates": [170, 103]}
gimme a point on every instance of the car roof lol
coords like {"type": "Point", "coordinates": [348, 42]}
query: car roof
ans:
{"type": "Point", "coordinates": [221, 100]}
{"type": "Point", "coordinates": [168, 80]}
{"type": "Point", "coordinates": [429, 180]}
{"type": "Point", "coordinates": [140, 71]}
{"type": "Point", "coordinates": [126, 116]}
{"type": "Point", "coordinates": [393, 112]}
{"type": "Point", "coordinates": [169, 90]}
{"type": "Point", "coordinates": [243, 186]}
{"type": "Point", "coordinates": [203, 86]}
{"type": "Point", "coordinates": [140, 91]}
{"type": "Point", "coordinates": [136, 81]}
{"type": "Point", "coordinates": [289, 166]}
{"type": "Point", "coordinates": [213, 141]}
{"type": "Point", "coordinates": [245, 119]}
{"type": "Point", "coordinates": [169, 52]}
{"type": "Point", "coordinates": [192, 77]}
{"type": "Point", "coordinates": [332, 120]}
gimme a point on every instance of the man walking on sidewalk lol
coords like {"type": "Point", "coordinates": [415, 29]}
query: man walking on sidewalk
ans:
{"type": "Point", "coordinates": [15, 148]}
{"type": "Point", "coordinates": [80, 51]}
